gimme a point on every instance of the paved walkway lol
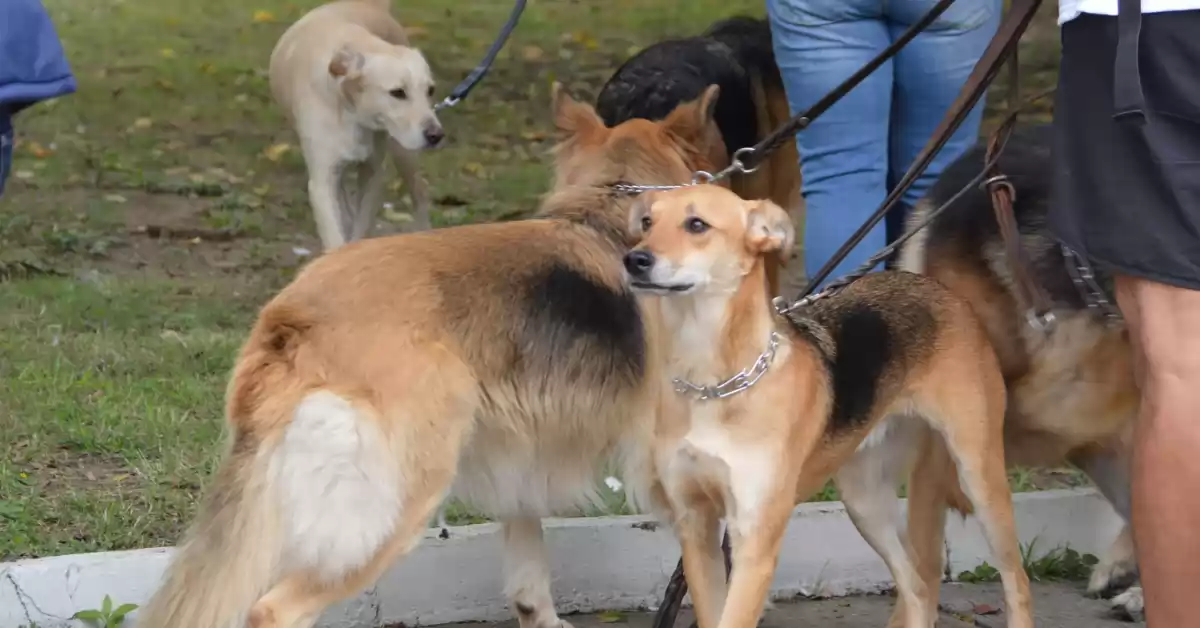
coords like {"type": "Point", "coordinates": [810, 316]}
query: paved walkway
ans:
{"type": "Point", "coordinates": [1055, 606]}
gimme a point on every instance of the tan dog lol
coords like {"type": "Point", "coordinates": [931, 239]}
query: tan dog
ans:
{"type": "Point", "coordinates": [354, 90]}
{"type": "Point", "coordinates": [832, 392]}
{"type": "Point", "coordinates": [505, 364]}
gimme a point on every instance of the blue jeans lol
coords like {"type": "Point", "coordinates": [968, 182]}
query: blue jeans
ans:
{"type": "Point", "coordinates": [856, 152]}
{"type": "Point", "coordinates": [6, 148]}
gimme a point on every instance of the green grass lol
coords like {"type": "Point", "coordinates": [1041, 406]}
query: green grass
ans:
{"type": "Point", "coordinates": [115, 343]}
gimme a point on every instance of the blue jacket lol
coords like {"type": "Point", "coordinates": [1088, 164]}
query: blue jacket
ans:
{"type": "Point", "coordinates": [33, 66]}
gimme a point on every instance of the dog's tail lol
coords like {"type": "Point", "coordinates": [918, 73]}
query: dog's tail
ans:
{"type": "Point", "coordinates": [289, 495]}
{"type": "Point", "coordinates": [750, 40]}
{"type": "Point", "coordinates": [230, 556]}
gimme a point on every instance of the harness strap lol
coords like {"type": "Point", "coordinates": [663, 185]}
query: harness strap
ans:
{"type": "Point", "coordinates": [1128, 99]}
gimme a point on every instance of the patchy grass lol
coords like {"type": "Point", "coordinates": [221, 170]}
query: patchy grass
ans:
{"type": "Point", "coordinates": [151, 213]}
{"type": "Point", "coordinates": [1061, 564]}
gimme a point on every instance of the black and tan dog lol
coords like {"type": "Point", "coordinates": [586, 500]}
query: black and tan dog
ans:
{"type": "Point", "coordinates": [505, 364]}
{"type": "Point", "coordinates": [830, 393]}
{"type": "Point", "coordinates": [1072, 394]}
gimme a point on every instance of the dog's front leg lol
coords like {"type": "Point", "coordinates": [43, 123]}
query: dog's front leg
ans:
{"type": "Point", "coordinates": [703, 564]}
{"type": "Point", "coordinates": [406, 162]}
{"type": "Point", "coordinates": [527, 574]}
{"type": "Point", "coordinates": [756, 538]}
{"type": "Point", "coordinates": [370, 188]}
{"type": "Point", "coordinates": [325, 196]}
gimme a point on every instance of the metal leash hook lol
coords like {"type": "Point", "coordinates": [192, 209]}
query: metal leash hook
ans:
{"type": "Point", "coordinates": [462, 89]}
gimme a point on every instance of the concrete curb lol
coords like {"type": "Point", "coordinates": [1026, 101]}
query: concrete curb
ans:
{"type": "Point", "coordinates": [618, 563]}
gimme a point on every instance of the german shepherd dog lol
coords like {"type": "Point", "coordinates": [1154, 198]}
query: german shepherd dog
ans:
{"type": "Point", "coordinates": [733, 59]}
{"type": "Point", "coordinates": [1072, 394]}
{"type": "Point", "coordinates": [505, 364]}
{"type": "Point", "coordinates": [891, 349]}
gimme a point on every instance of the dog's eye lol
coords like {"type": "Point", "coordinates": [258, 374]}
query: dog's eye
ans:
{"type": "Point", "coordinates": [399, 93]}
{"type": "Point", "coordinates": [646, 223]}
{"type": "Point", "coordinates": [695, 225]}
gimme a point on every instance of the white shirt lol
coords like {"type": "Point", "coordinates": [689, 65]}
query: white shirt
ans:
{"type": "Point", "coordinates": [1070, 9]}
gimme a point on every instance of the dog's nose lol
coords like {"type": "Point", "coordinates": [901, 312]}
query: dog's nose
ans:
{"type": "Point", "coordinates": [638, 262]}
{"type": "Point", "coordinates": [434, 135]}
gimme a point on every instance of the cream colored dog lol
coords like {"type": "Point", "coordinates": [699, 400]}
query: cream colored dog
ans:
{"type": "Point", "coordinates": [354, 89]}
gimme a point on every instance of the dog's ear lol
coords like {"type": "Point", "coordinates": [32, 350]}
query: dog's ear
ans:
{"type": "Point", "coordinates": [639, 209]}
{"type": "Point", "coordinates": [691, 120]}
{"type": "Point", "coordinates": [346, 63]}
{"type": "Point", "coordinates": [769, 229]}
{"type": "Point", "coordinates": [570, 115]}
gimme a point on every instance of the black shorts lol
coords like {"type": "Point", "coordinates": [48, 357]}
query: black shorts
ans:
{"type": "Point", "coordinates": [1127, 188]}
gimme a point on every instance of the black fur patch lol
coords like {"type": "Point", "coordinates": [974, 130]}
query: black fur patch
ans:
{"type": "Point", "coordinates": [865, 345]}
{"type": "Point", "coordinates": [658, 79]}
{"type": "Point", "coordinates": [573, 319]}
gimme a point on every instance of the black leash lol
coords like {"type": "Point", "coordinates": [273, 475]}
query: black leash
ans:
{"type": "Point", "coordinates": [462, 89]}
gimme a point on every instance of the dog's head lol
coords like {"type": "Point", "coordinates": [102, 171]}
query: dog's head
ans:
{"type": "Point", "coordinates": [390, 89]}
{"type": "Point", "coordinates": [638, 151]}
{"type": "Point", "coordinates": [702, 238]}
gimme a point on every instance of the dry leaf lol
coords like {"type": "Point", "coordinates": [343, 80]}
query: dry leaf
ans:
{"type": "Point", "coordinates": [533, 136]}
{"type": "Point", "coordinates": [532, 53]}
{"type": "Point", "coordinates": [261, 16]}
{"type": "Point", "coordinates": [474, 168]}
{"type": "Point", "coordinates": [38, 150]}
{"type": "Point", "coordinates": [114, 198]}
{"type": "Point", "coordinates": [167, 53]}
{"type": "Point", "coordinates": [985, 609]}
{"type": "Point", "coordinates": [610, 617]}
{"type": "Point", "coordinates": [208, 68]}
{"type": "Point", "coordinates": [276, 151]}
{"type": "Point", "coordinates": [142, 123]}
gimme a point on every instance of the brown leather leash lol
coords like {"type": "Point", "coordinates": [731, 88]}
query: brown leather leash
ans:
{"type": "Point", "coordinates": [1033, 298]}
{"type": "Point", "coordinates": [1002, 46]}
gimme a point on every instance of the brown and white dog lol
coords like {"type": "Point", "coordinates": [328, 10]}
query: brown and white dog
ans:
{"type": "Point", "coordinates": [1072, 393]}
{"type": "Point", "coordinates": [355, 89]}
{"type": "Point", "coordinates": [832, 392]}
{"type": "Point", "coordinates": [505, 364]}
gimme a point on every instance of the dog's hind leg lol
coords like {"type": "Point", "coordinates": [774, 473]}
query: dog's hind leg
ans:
{"type": "Point", "coordinates": [868, 483]}
{"type": "Point", "coordinates": [965, 401]}
{"type": "Point", "coordinates": [527, 574]}
{"type": "Point", "coordinates": [371, 176]}
{"type": "Point", "coordinates": [1117, 570]}
{"type": "Point", "coordinates": [358, 484]}
{"type": "Point", "coordinates": [406, 163]}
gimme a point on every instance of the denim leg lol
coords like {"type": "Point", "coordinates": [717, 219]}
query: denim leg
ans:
{"type": "Point", "coordinates": [6, 149]}
{"type": "Point", "coordinates": [843, 154]}
{"type": "Point", "coordinates": [930, 72]}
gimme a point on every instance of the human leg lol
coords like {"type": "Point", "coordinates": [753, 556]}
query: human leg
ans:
{"type": "Point", "coordinates": [1128, 198]}
{"type": "Point", "coordinates": [843, 154]}
{"type": "Point", "coordinates": [930, 72]}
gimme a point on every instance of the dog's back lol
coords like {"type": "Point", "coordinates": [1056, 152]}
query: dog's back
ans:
{"type": "Point", "coordinates": [731, 53]}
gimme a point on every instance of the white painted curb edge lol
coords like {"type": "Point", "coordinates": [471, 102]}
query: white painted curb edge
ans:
{"type": "Point", "coordinates": [607, 563]}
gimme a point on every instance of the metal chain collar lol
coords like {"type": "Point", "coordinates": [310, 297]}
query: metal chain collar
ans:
{"type": "Point", "coordinates": [699, 177]}
{"type": "Point", "coordinates": [736, 384]}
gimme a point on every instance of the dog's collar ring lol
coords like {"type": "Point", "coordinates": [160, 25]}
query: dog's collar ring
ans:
{"type": "Point", "coordinates": [736, 384]}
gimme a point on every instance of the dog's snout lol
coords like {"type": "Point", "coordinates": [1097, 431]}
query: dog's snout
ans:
{"type": "Point", "coordinates": [434, 134]}
{"type": "Point", "coordinates": [638, 262]}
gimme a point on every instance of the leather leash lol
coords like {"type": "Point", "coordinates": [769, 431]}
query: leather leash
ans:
{"type": "Point", "coordinates": [462, 89]}
{"type": "Point", "coordinates": [1003, 45]}
{"type": "Point", "coordinates": [1035, 301]}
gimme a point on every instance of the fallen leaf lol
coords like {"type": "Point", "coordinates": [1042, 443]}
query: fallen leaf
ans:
{"type": "Point", "coordinates": [142, 123]}
{"type": "Point", "coordinates": [262, 16]}
{"type": "Point", "coordinates": [532, 53]}
{"type": "Point", "coordinates": [114, 198]}
{"type": "Point", "coordinates": [474, 168]}
{"type": "Point", "coordinates": [610, 617]}
{"type": "Point", "coordinates": [985, 609]}
{"type": "Point", "coordinates": [167, 53]}
{"type": "Point", "coordinates": [533, 136]}
{"type": "Point", "coordinates": [262, 189]}
{"type": "Point", "coordinates": [38, 150]}
{"type": "Point", "coordinates": [23, 174]}
{"type": "Point", "coordinates": [208, 68]}
{"type": "Point", "coordinates": [241, 98]}
{"type": "Point", "coordinates": [275, 152]}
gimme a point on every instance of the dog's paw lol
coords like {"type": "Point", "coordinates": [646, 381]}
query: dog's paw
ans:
{"type": "Point", "coordinates": [1112, 578]}
{"type": "Point", "coordinates": [1130, 605]}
